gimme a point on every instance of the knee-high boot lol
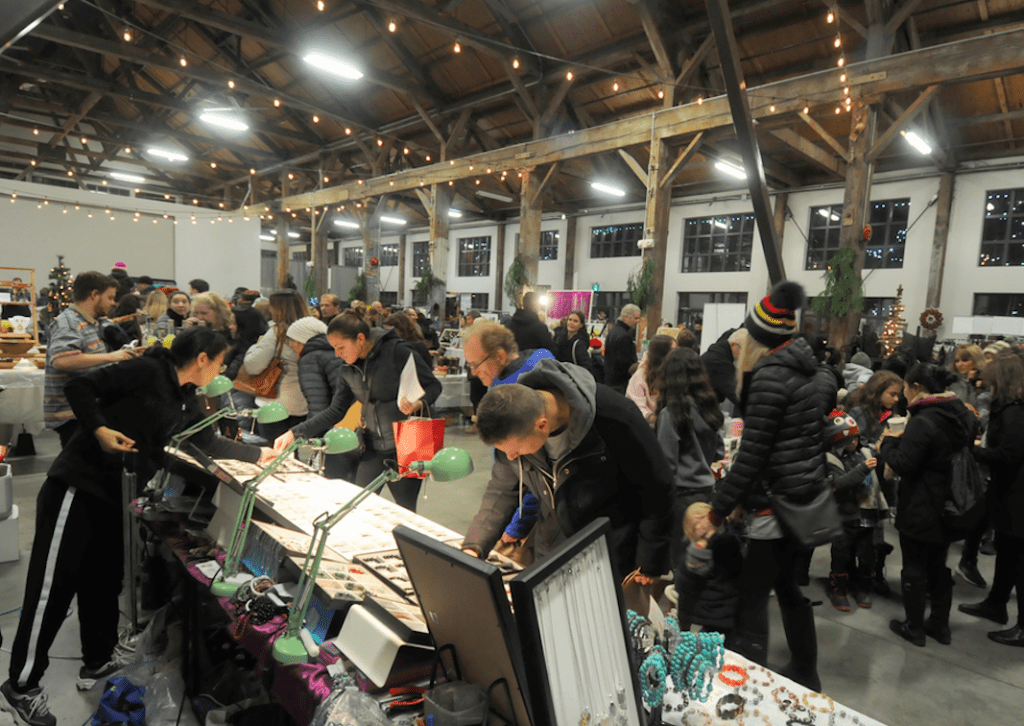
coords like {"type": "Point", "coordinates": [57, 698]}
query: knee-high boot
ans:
{"type": "Point", "coordinates": [937, 624]}
{"type": "Point", "coordinates": [912, 628]}
{"type": "Point", "coordinates": [802, 638]}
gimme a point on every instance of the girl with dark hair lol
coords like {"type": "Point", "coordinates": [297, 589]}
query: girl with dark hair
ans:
{"type": "Point", "coordinates": [178, 306]}
{"type": "Point", "coordinates": [939, 425]}
{"type": "Point", "coordinates": [642, 388]}
{"type": "Point", "coordinates": [410, 333]}
{"type": "Point", "coordinates": [1003, 453]}
{"type": "Point", "coordinates": [374, 360]}
{"type": "Point", "coordinates": [872, 403]}
{"type": "Point", "coordinates": [127, 413]}
{"type": "Point", "coordinates": [575, 347]}
{"type": "Point", "coordinates": [688, 423]}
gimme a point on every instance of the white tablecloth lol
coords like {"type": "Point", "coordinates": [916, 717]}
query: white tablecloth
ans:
{"type": "Point", "coordinates": [454, 392]}
{"type": "Point", "coordinates": [21, 397]}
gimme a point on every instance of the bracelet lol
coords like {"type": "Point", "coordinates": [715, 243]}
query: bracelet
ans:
{"type": "Point", "coordinates": [652, 677]}
{"type": "Point", "coordinates": [733, 681]}
{"type": "Point", "coordinates": [793, 698]}
{"type": "Point", "coordinates": [730, 706]}
{"type": "Point", "coordinates": [686, 717]}
{"type": "Point", "coordinates": [769, 678]}
{"type": "Point", "coordinates": [807, 702]}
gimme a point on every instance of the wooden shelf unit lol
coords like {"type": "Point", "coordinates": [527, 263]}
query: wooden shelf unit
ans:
{"type": "Point", "coordinates": [30, 286]}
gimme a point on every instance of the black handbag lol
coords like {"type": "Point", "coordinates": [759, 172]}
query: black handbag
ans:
{"type": "Point", "coordinates": [964, 507]}
{"type": "Point", "coordinates": [809, 514]}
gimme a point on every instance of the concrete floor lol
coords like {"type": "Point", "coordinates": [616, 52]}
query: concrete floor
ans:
{"type": "Point", "coordinates": [862, 664]}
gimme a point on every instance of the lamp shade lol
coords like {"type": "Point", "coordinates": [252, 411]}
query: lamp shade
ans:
{"type": "Point", "coordinates": [271, 413]}
{"type": "Point", "coordinates": [217, 387]}
{"type": "Point", "coordinates": [449, 464]}
{"type": "Point", "coordinates": [340, 441]}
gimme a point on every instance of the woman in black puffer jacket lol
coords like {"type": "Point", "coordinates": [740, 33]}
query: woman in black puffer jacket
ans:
{"type": "Point", "coordinates": [1004, 455]}
{"type": "Point", "coordinates": [939, 425]}
{"type": "Point", "coordinates": [575, 347]}
{"type": "Point", "coordinates": [318, 379]}
{"type": "Point", "coordinates": [374, 363]}
{"type": "Point", "coordinates": [785, 397]}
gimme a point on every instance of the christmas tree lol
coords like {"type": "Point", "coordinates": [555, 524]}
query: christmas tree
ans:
{"type": "Point", "coordinates": [60, 288]}
{"type": "Point", "coordinates": [892, 332]}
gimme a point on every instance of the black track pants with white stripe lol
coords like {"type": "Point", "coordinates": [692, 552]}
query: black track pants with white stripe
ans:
{"type": "Point", "coordinates": [77, 551]}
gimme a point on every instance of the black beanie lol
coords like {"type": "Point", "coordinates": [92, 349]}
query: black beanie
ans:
{"type": "Point", "coordinates": [773, 320]}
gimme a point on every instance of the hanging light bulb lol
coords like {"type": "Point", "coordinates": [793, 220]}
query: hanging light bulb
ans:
{"type": "Point", "coordinates": [183, 61]}
{"type": "Point", "coordinates": [515, 63]}
{"type": "Point", "coordinates": [842, 78]}
{"type": "Point", "coordinates": [841, 62]}
{"type": "Point", "coordinates": [807, 110]}
{"type": "Point", "coordinates": [277, 103]}
{"type": "Point", "coordinates": [405, 150]}
{"type": "Point", "coordinates": [771, 109]}
{"type": "Point", "coordinates": [348, 131]}
{"type": "Point", "coordinates": [457, 48]}
{"type": "Point", "coordinates": [35, 132]}
{"type": "Point", "coordinates": [568, 76]}
{"type": "Point", "coordinates": [380, 142]}
{"type": "Point", "coordinates": [392, 26]}
{"type": "Point", "coordinates": [700, 100]}
{"type": "Point", "coordinates": [320, 5]}
{"type": "Point", "coordinates": [837, 42]}
{"type": "Point", "coordinates": [231, 84]}
{"type": "Point", "coordinates": [428, 157]}
{"type": "Point", "coordinates": [252, 171]}
{"type": "Point", "coordinates": [70, 173]}
{"type": "Point", "coordinates": [846, 91]}
{"type": "Point", "coordinates": [615, 87]}
{"type": "Point", "coordinates": [316, 119]}
{"type": "Point", "coordinates": [127, 35]}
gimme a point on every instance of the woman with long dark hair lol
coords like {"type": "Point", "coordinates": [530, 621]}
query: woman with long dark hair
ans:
{"type": "Point", "coordinates": [127, 413]}
{"type": "Point", "coordinates": [374, 360]}
{"type": "Point", "coordinates": [1003, 453]}
{"type": "Point", "coordinates": [939, 425]}
{"type": "Point", "coordinates": [410, 333]}
{"type": "Point", "coordinates": [642, 388]}
{"type": "Point", "coordinates": [575, 346]}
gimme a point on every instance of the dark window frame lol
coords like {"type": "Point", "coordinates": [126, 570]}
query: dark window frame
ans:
{"type": "Point", "coordinates": [1002, 229]}
{"type": "Point", "coordinates": [389, 255]}
{"type": "Point", "coordinates": [885, 250]}
{"type": "Point", "coordinates": [474, 256]}
{"type": "Point", "coordinates": [616, 240]}
{"type": "Point", "coordinates": [719, 243]}
{"type": "Point", "coordinates": [349, 255]}
{"type": "Point", "coordinates": [998, 304]}
{"type": "Point", "coordinates": [420, 257]}
{"type": "Point", "coordinates": [689, 309]}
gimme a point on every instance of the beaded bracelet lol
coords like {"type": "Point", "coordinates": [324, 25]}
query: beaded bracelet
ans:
{"type": "Point", "coordinates": [653, 673]}
{"type": "Point", "coordinates": [733, 681]}
{"type": "Point", "coordinates": [820, 709]}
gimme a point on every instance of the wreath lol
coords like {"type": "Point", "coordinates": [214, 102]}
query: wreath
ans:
{"type": "Point", "coordinates": [931, 319]}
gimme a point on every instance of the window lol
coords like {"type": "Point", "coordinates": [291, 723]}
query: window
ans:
{"type": "Point", "coordinates": [388, 299]}
{"type": "Point", "coordinates": [420, 258]}
{"type": "Point", "coordinates": [300, 255]}
{"type": "Point", "coordinates": [352, 257]}
{"type": "Point", "coordinates": [876, 312]}
{"type": "Point", "coordinates": [718, 244]}
{"type": "Point", "coordinates": [999, 304]}
{"type": "Point", "coordinates": [1002, 232]}
{"type": "Point", "coordinates": [888, 220]}
{"type": "Point", "coordinates": [474, 256]}
{"type": "Point", "coordinates": [549, 245]}
{"type": "Point", "coordinates": [389, 256]}
{"type": "Point", "coordinates": [479, 300]}
{"type": "Point", "coordinates": [691, 304]}
{"type": "Point", "coordinates": [617, 240]}
{"type": "Point", "coordinates": [609, 303]}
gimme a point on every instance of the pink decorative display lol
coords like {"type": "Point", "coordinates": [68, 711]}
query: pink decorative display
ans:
{"type": "Point", "coordinates": [563, 302]}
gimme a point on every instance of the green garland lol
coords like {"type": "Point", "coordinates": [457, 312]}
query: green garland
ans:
{"type": "Point", "coordinates": [358, 291]}
{"type": "Point", "coordinates": [516, 280]}
{"type": "Point", "coordinates": [427, 282]}
{"type": "Point", "coordinates": [843, 293]}
{"type": "Point", "coordinates": [640, 284]}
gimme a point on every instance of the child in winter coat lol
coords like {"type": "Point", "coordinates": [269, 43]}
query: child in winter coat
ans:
{"type": "Point", "coordinates": [708, 587]}
{"type": "Point", "coordinates": [862, 507]}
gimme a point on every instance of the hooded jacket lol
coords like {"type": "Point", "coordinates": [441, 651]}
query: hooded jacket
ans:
{"type": "Point", "coordinates": [619, 356]}
{"type": "Point", "coordinates": [529, 331]}
{"type": "Point", "coordinates": [855, 375]}
{"type": "Point", "coordinates": [575, 349]}
{"type": "Point", "coordinates": [613, 468]}
{"type": "Point", "coordinates": [318, 373]}
{"type": "Point", "coordinates": [785, 405]}
{"type": "Point", "coordinates": [374, 383]}
{"type": "Point", "coordinates": [939, 425]}
{"type": "Point", "coordinates": [721, 368]}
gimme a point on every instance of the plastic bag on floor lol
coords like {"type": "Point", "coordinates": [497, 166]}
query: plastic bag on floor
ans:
{"type": "Point", "coordinates": [349, 707]}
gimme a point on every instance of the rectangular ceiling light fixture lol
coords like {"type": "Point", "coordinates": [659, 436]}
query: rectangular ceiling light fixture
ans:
{"type": "Point", "coordinates": [346, 223]}
{"type": "Point", "coordinates": [226, 122]}
{"type": "Point", "coordinates": [127, 177]}
{"type": "Point", "coordinates": [333, 65]}
{"type": "Point", "coordinates": [165, 154]}
{"type": "Point", "coordinates": [922, 146]}
{"type": "Point", "coordinates": [495, 197]}
{"type": "Point", "coordinates": [829, 215]}
{"type": "Point", "coordinates": [614, 191]}
{"type": "Point", "coordinates": [392, 220]}
{"type": "Point", "coordinates": [293, 235]}
{"type": "Point", "coordinates": [267, 237]}
{"type": "Point", "coordinates": [731, 169]}
{"type": "Point", "coordinates": [454, 213]}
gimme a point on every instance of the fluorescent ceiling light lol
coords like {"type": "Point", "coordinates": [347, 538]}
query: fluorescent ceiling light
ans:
{"type": "Point", "coordinates": [293, 235]}
{"type": "Point", "coordinates": [721, 224]}
{"type": "Point", "coordinates": [346, 223]}
{"type": "Point", "coordinates": [267, 237]}
{"type": "Point", "coordinates": [917, 142]}
{"type": "Point", "coordinates": [333, 65]}
{"type": "Point", "coordinates": [169, 155]}
{"type": "Point", "coordinates": [392, 220]}
{"type": "Point", "coordinates": [828, 215]}
{"type": "Point", "coordinates": [731, 169]}
{"type": "Point", "coordinates": [227, 122]}
{"type": "Point", "coordinates": [608, 189]}
{"type": "Point", "coordinates": [127, 177]}
{"type": "Point", "coordinates": [454, 213]}
{"type": "Point", "coordinates": [495, 197]}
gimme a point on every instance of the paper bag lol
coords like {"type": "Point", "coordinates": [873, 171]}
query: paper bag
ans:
{"type": "Point", "coordinates": [417, 439]}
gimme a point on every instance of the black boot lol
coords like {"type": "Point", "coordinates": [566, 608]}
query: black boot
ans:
{"type": "Point", "coordinates": [753, 646]}
{"type": "Point", "coordinates": [838, 589]}
{"type": "Point", "coordinates": [802, 639]}
{"type": "Point", "coordinates": [937, 624]}
{"type": "Point", "coordinates": [881, 585]}
{"type": "Point", "coordinates": [912, 628]}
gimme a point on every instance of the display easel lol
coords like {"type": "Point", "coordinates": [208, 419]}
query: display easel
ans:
{"type": "Point", "coordinates": [31, 287]}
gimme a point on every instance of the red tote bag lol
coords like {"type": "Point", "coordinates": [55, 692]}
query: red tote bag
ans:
{"type": "Point", "coordinates": [417, 439]}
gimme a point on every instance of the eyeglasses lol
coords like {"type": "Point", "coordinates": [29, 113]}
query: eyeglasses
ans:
{"type": "Point", "coordinates": [477, 366]}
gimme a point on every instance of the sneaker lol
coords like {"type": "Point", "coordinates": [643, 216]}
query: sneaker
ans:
{"type": "Point", "coordinates": [28, 709]}
{"type": "Point", "coordinates": [968, 569]}
{"type": "Point", "coordinates": [87, 677]}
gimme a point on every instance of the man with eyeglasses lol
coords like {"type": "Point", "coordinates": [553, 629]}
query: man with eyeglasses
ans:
{"type": "Point", "coordinates": [620, 349]}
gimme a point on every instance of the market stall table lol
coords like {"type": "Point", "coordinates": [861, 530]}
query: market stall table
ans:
{"type": "Point", "coordinates": [21, 401]}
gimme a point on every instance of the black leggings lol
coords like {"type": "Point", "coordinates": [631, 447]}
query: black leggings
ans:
{"type": "Point", "coordinates": [769, 563]}
{"type": "Point", "coordinates": [1009, 572]}
{"type": "Point", "coordinates": [371, 463]}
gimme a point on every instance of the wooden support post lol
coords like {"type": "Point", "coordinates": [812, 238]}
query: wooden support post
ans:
{"type": "Point", "coordinates": [781, 200]}
{"type": "Point", "coordinates": [570, 254]}
{"type": "Point", "coordinates": [320, 260]}
{"type": "Point", "coordinates": [529, 225]}
{"type": "Point", "coordinates": [859, 173]}
{"type": "Point", "coordinates": [940, 239]}
{"type": "Point", "coordinates": [371, 245]}
{"type": "Point", "coordinates": [440, 244]}
{"type": "Point", "coordinates": [403, 246]}
{"type": "Point", "coordinates": [283, 252]}
{"type": "Point", "coordinates": [498, 260]}
{"type": "Point", "coordinates": [659, 203]}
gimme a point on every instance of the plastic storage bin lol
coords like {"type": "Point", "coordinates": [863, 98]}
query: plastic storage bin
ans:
{"type": "Point", "coordinates": [456, 704]}
{"type": "Point", "coordinates": [6, 491]}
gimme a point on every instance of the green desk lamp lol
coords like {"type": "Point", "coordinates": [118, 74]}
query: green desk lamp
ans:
{"type": "Point", "coordinates": [335, 441]}
{"type": "Point", "coordinates": [448, 464]}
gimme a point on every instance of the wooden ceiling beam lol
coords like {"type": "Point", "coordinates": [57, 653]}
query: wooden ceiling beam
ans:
{"type": "Point", "coordinates": [810, 151]}
{"type": "Point", "coordinates": [651, 28]}
{"type": "Point", "coordinates": [826, 136]}
{"type": "Point", "coordinates": [919, 105]}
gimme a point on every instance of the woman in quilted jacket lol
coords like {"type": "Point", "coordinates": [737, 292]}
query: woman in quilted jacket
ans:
{"type": "Point", "coordinates": [786, 395]}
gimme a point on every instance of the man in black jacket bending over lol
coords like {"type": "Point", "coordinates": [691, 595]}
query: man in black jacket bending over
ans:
{"type": "Point", "coordinates": [530, 332]}
{"type": "Point", "coordinates": [585, 452]}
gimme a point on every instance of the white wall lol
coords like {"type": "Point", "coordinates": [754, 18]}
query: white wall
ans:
{"type": "Point", "coordinates": [224, 253]}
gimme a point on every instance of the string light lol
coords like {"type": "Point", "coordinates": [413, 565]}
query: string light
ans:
{"type": "Point", "coordinates": [277, 103]}
{"type": "Point", "coordinates": [231, 84]}
{"type": "Point", "coordinates": [183, 61]}
{"type": "Point", "coordinates": [84, 141]}
{"type": "Point", "coordinates": [213, 164]}
{"type": "Point", "coordinates": [252, 171]}
{"type": "Point", "coordinates": [807, 110]}
{"type": "Point", "coordinates": [405, 150]}
{"type": "Point", "coordinates": [615, 87]}
{"type": "Point", "coordinates": [127, 149]}
{"type": "Point", "coordinates": [127, 35]}
{"type": "Point", "coordinates": [428, 157]}
{"type": "Point", "coordinates": [348, 131]}
{"type": "Point", "coordinates": [661, 94]}
{"type": "Point", "coordinates": [841, 62]}
{"type": "Point", "coordinates": [568, 76]}
{"type": "Point", "coordinates": [515, 63]}
{"type": "Point", "coordinates": [35, 132]}
{"type": "Point", "coordinates": [837, 42]}
{"type": "Point", "coordinates": [316, 119]}
{"type": "Point", "coordinates": [842, 78]}
{"type": "Point", "coordinates": [320, 5]}
{"type": "Point", "coordinates": [380, 142]}
{"type": "Point", "coordinates": [457, 48]}
{"type": "Point", "coordinates": [771, 109]}
{"type": "Point", "coordinates": [830, 17]}
{"type": "Point", "coordinates": [392, 26]}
